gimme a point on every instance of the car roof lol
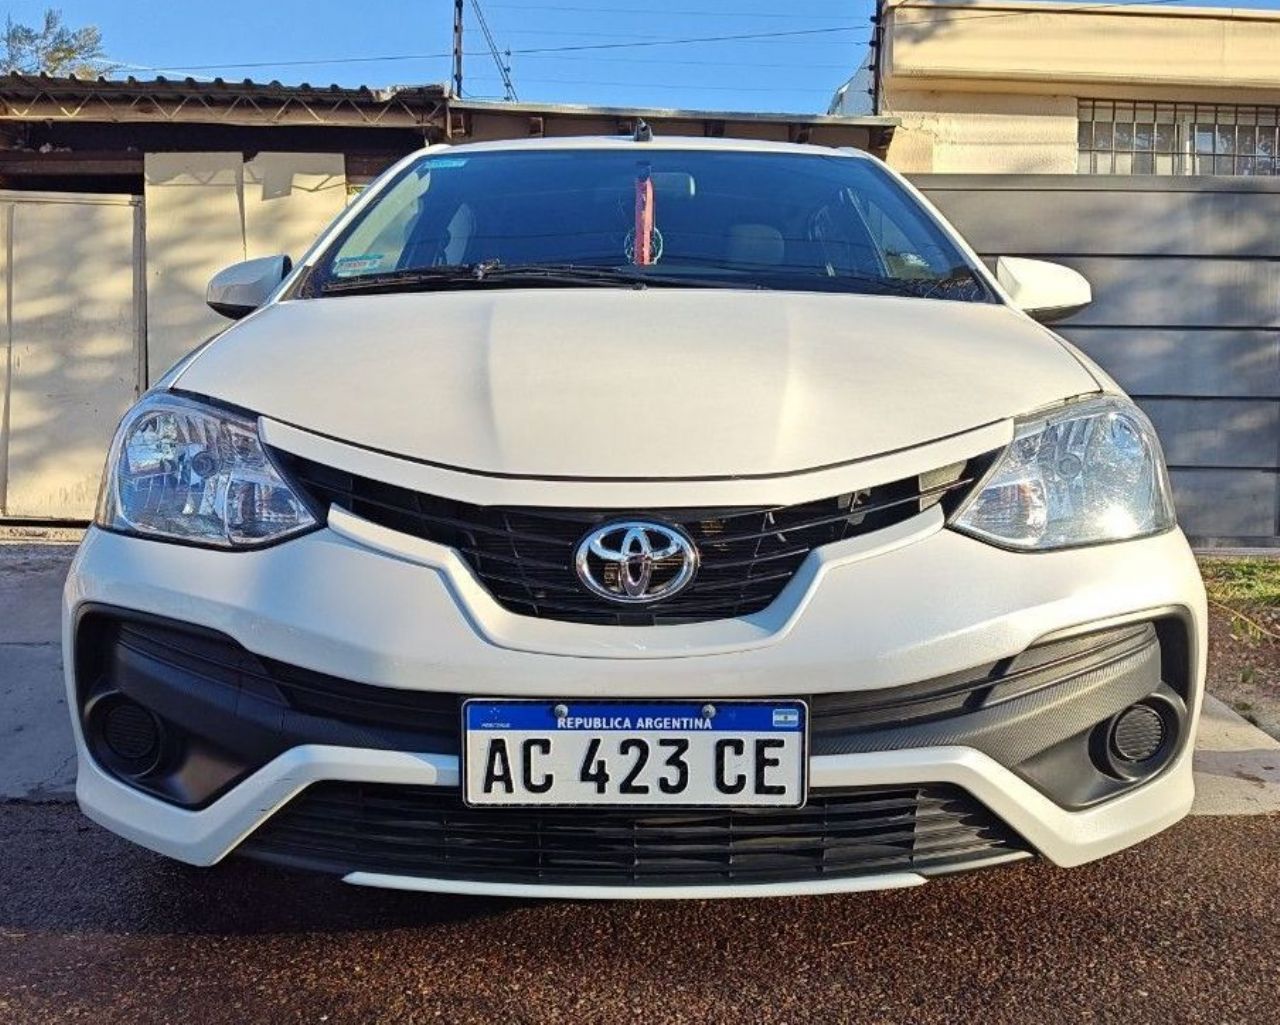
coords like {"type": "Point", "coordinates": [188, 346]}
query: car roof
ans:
{"type": "Point", "coordinates": [667, 142]}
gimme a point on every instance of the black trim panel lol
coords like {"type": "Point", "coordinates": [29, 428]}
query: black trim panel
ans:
{"type": "Point", "coordinates": [229, 711]}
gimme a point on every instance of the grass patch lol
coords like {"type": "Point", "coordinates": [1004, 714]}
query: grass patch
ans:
{"type": "Point", "coordinates": [1243, 582]}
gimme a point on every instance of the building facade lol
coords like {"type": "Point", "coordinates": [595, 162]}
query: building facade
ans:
{"type": "Point", "coordinates": [1049, 88]}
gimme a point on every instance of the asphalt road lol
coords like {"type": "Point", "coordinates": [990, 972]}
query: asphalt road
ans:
{"type": "Point", "coordinates": [1185, 928]}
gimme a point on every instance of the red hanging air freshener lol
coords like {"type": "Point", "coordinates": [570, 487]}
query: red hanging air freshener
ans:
{"type": "Point", "coordinates": [643, 255]}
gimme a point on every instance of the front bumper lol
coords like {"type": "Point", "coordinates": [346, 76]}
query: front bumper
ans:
{"type": "Point", "coordinates": [918, 603]}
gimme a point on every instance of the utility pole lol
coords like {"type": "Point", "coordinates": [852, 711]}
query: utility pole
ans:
{"type": "Point", "coordinates": [457, 47]}
{"type": "Point", "coordinates": [877, 55]}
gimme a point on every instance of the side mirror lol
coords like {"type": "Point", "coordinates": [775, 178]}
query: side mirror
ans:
{"type": "Point", "coordinates": [1045, 291]}
{"type": "Point", "coordinates": [238, 290]}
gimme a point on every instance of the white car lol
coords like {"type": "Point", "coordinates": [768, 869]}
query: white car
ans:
{"type": "Point", "coordinates": [636, 517]}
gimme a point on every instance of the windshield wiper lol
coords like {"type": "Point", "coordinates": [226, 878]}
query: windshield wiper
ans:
{"type": "Point", "coordinates": [889, 286]}
{"type": "Point", "coordinates": [915, 288]}
{"type": "Point", "coordinates": [407, 280]}
{"type": "Point", "coordinates": [959, 279]}
{"type": "Point", "coordinates": [494, 273]}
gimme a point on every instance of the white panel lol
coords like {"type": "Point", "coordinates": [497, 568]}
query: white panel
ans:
{"type": "Point", "coordinates": [195, 227]}
{"type": "Point", "coordinates": [74, 349]}
{"type": "Point", "coordinates": [289, 198]}
{"type": "Point", "coordinates": [6, 351]}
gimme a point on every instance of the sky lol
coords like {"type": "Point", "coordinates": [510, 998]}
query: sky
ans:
{"type": "Point", "coordinates": [611, 53]}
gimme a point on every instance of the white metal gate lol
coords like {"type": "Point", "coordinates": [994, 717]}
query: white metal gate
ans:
{"type": "Point", "coordinates": [72, 344]}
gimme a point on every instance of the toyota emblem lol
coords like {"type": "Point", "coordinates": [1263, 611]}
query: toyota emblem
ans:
{"type": "Point", "coordinates": [636, 561]}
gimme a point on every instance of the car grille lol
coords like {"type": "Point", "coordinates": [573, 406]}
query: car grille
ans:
{"type": "Point", "coordinates": [428, 832]}
{"type": "Point", "coordinates": [525, 555]}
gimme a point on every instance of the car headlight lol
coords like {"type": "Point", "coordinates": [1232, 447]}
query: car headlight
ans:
{"type": "Point", "coordinates": [185, 471]}
{"type": "Point", "coordinates": [1087, 473]}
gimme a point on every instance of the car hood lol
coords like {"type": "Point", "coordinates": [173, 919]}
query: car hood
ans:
{"type": "Point", "coordinates": [629, 384]}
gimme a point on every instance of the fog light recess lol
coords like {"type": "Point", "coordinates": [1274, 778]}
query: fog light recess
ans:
{"type": "Point", "coordinates": [1137, 741]}
{"type": "Point", "coordinates": [125, 736]}
{"type": "Point", "coordinates": [1138, 734]}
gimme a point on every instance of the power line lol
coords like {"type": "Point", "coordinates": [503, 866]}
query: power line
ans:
{"type": "Point", "coordinates": [616, 36]}
{"type": "Point", "coordinates": [636, 44]}
{"type": "Point", "coordinates": [668, 85]}
{"type": "Point", "coordinates": [299, 63]}
{"type": "Point", "coordinates": [638, 38]}
{"type": "Point", "coordinates": [942, 12]}
{"type": "Point", "coordinates": [504, 70]}
{"type": "Point", "coordinates": [646, 12]}
{"type": "Point", "coordinates": [529, 51]}
{"type": "Point", "coordinates": [667, 61]}
{"type": "Point", "coordinates": [697, 39]}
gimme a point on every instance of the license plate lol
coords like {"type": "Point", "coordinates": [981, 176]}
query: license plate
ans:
{"type": "Point", "coordinates": [659, 754]}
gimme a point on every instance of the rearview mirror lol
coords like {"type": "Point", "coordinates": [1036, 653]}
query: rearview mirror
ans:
{"type": "Point", "coordinates": [1045, 291]}
{"type": "Point", "coordinates": [238, 290]}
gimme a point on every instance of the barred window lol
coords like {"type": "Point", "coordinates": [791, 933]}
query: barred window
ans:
{"type": "Point", "coordinates": [1131, 137]}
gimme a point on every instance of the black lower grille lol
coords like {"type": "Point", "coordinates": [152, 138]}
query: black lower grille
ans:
{"type": "Point", "coordinates": [428, 832]}
{"type": "Point", "coordinates": [429, 720]}
{"type": "Point", "coordinates": [525, 555]}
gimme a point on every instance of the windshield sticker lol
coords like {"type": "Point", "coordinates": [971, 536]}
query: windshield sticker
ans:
{"type": "Point", "coordinates": [349, 266]}
{"type": "Point", "coordinates": [447, 162]}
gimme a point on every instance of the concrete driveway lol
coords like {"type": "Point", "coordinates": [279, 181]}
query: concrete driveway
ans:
{"type": "Point", "coordinates": [1182, 928]}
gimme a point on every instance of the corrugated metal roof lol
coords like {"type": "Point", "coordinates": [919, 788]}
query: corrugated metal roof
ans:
{"type": "Point", "coordinates": [160, 86]}
{"type": "Point", "coordinates": [427, 109]}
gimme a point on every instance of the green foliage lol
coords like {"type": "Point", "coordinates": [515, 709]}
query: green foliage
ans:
{"type": "Point", "coordinates": [1243, 582]}
{"type": "Point", "coordinates": [52, 48]}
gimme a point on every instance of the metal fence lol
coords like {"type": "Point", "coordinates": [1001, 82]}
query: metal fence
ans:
{"type": "Point", "coordinates": [1186, 315]}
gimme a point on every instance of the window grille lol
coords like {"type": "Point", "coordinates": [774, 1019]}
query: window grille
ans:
{"type": "Point", "coordinates": [1134, 137]}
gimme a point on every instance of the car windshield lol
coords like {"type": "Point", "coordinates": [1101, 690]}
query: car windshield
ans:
{"type": "Point", "coordinates": [643, 215]}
